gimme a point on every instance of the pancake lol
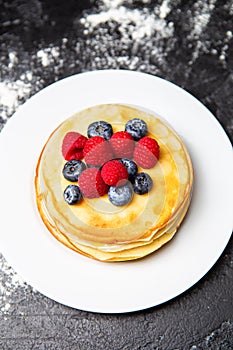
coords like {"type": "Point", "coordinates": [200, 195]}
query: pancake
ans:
{"type": "Point", "coordinates": [95, 227]}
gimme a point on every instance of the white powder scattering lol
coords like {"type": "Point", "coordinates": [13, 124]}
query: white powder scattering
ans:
{"type": "Point", "coordinates": [222, 56]}
{"type": "Point", "coordinates": [12, 93]}
{"type": "Point", "coordinates": [44, 57]}
{"type": "Point", "coordinates": [112, 3]}
{"type": "Point", "coordinates": [13, 60]}
{"type": "Point", "coordinates": [213, 340]}
{"type": "Point", "coordinates": [231, 9]}
{"type": "Point", "coordinates": [133, 23]}
{"type": "Point", "coordinates": [202, 15]}
{"type": "Point", "coordinates": [51, 57]}
{"type": "Point", "coordinates": [199, 38]}
{"type": "Point", "coordinates": [10, 283]}
{"type": "Point", "coordinates": [48, 55]}
{"type": "Point", "coordinates": [8, 97]}
{"type": "Point", "coordinates": [226, 43]}
{"type": "Point", "coordinates": [164, 9]}
{"type": "Point", "coordinates": [199, 21]}
{"type": "Point", "coordinates": [229, 34]}
{"type": "Point", "coordinates": [134, 38]}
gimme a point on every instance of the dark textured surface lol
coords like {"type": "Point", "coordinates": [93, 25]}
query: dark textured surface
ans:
{"type": "Point", "coordinates": [187, 42]}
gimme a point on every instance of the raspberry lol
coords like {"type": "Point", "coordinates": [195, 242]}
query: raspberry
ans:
{"type": "Point", "coordinates": [146, 152]}
{"type": "Point", "coordinates": [97, 151]}
{"type": "Point", "coordinates": [91, 183]}
{"type": "Point", "coordinates": [72, 145]}
{"type": "Point", "coordinates": [122, 144]}
{"type": "Point", "coordinates": [114, 173]}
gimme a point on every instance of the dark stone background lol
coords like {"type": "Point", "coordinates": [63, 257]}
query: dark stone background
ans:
{"type": "Point", "coordinates": [42, 41]}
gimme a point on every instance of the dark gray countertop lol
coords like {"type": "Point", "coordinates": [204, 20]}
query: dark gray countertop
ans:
{"type": "Point", "coordinates": [189, 43]}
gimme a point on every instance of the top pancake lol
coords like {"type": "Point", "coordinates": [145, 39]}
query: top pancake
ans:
{"type": "Point", "coordinates": [96, 222]}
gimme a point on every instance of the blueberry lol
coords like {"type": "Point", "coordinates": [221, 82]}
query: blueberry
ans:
{"type": "Point", "coordinates": [137, 128]}
{"type": "Point", "coordinates": [72, 194]}
{"type": "Point", "coordinates": [142, 183]}
{"type": "Point", "coordinates": [72, 169]}
{"type": "Point", "coordinates": [120, 195]}
{"type": "Point", "coordinates": [100, 128]}
{"type": "Point", "coordinates": [131, 167]}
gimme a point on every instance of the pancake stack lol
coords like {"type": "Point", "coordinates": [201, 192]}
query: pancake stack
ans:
{"type": "Point", "coordinates": [96, 228]}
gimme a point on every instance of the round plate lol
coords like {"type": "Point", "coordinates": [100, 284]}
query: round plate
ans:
{"type": "Point", "coordinates": [86, 284]}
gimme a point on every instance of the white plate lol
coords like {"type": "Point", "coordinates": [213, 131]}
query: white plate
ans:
{"type": "Point", "coordinates": [83, 283]}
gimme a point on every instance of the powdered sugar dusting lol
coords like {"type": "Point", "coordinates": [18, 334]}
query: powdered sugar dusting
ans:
{"type": "Point", "coordinates": [11, 94]}
{"type": "Point", "coordinates": [13, 60]}
{"type": "Point", "coordinates": [164, 9]}
{"type": "Point", "coordinates": [10, 283]}
{"type": "Point", "coordinates": [48, 55]}
{"type": "Point", "coordinates": [116, 35]}
{"type": "Point", "coordinates": [119, 32]}
{"type": "Point", "coordinates": [202, 15]}
{"type": "Point", "coordinates": [133, 23]}
{"type": "Point", "coordinates": [113, 3]}
{"type": "Point", "coordinates": [199, 22]}
{"type": "Point", "coordinates": [225, 47]}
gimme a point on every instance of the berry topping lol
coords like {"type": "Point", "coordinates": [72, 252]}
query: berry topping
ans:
{"type": "Point", "coordinates": [120, 195]}
{"type": "Point", "coordinates": [72, 145]}
{"type": "Point", "coordinates": [72, 194]}
{"type": "Point", "coordinates": [142, 183]}
{"type": "Point", "coordinates": [146, 152]}
{"type": "Point", "coordinates": [137, 128]}
{"type": "Point", "coordinates": [114, 173]}
{"type": "Point", "coordinates": [131, 167]}
{"type": "Point", "coordinates": [97, 151]}
{"type": "Point", "coordinates": [91, 183]}
{"type": "Point", "coordinates": [100, 128]}
{"type": "Point", "coordinates": [122, 144]}
{"type": "Point", "coordinates": [72, 169]}
{"type": "Point", "coordinates": [111, 162]}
